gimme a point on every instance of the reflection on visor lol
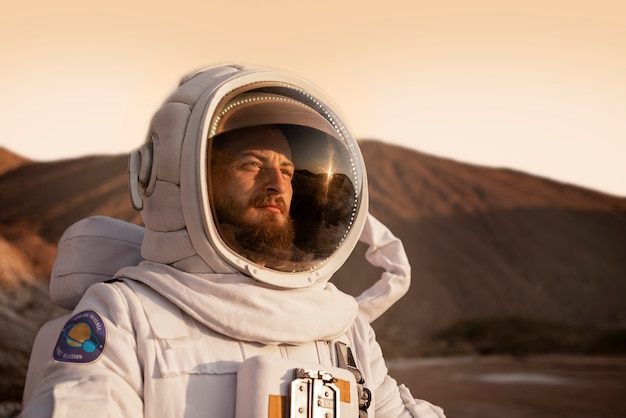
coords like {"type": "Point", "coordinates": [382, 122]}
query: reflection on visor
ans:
{"type": "Point", "coordinates": [325, 197]}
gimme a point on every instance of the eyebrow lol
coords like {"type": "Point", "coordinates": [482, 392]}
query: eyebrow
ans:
{"type": "Point", "coordinates": [255, 154]}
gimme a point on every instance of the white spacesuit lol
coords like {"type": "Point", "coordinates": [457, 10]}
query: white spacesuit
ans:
{"type": "Point", "coordinates": [214, 318]}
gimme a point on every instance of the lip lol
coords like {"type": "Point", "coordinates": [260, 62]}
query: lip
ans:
{"type": "Point", "coordinates": [271, 208]}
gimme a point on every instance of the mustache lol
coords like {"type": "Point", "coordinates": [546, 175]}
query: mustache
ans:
{"type": "Point", "coordinates": [264, 200]}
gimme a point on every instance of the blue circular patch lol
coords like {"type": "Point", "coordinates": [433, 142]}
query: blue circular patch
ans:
{"type": "Point", "coordinates": [82, 339]}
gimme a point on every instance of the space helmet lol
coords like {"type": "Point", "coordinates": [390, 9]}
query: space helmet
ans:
{"type": "Point", "coordinates": [201, 179]}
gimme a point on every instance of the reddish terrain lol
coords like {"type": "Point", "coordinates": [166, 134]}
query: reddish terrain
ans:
{"type": "Point", "coordinates": [542, 386]}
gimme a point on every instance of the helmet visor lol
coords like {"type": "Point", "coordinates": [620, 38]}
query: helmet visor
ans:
{"type": "Point", "coordinates": [284, 182]}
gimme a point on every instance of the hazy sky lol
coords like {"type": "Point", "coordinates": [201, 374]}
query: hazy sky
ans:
{"type": "Point", "coordinates": [536, 85]}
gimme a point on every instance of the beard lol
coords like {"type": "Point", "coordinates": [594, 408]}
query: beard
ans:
{"type": "Point", "coordinates": [259, 239]}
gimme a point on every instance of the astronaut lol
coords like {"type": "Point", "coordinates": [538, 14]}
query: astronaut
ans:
{"type": "Point", "coordinates": [252, 193]}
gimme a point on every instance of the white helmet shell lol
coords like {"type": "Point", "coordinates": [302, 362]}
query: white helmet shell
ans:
{"type": "Point", "coordinates": [170, 174]}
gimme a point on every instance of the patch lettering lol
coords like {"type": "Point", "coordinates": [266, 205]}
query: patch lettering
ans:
{"type": "Point", "coordinates": [82, 339]}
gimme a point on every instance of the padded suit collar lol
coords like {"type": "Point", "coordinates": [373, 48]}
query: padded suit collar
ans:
{"type": "Point", "coordinates": [241, 308]}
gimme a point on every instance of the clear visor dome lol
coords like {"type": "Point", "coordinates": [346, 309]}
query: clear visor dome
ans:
{"type": "Point", "coordinates": [284, 178]}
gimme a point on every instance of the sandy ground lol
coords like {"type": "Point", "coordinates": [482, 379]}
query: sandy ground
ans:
{"type": "Point", "coordinates": [500, 386]}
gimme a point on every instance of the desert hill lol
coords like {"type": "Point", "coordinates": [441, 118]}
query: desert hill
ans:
{"type": "Point", "coordinates": [488, 243]}
{"type": "Point", "coordinates": [483, 243]}
{"type": "Point", "coordinates": [10, 160]}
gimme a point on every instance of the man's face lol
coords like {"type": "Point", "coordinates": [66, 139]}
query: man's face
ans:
{"type": "Point", "coordinates": [251, 175]}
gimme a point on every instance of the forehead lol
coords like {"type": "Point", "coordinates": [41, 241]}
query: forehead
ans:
{"type": "Point", "coordinates": [254, 139]}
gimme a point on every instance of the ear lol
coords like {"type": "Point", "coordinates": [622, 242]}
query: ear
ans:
{"type": "Point", "coordinates": [142, 171]}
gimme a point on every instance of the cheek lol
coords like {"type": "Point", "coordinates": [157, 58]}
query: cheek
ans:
{"type": "Point", "coordinates": [238, 186]}
{"type": "Point", "coordinates": [216, 185]}
{"type": "Point", "coordinates": [241, 183]}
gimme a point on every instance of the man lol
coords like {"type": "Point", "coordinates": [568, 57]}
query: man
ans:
{"type": "Point", "coordinates": [253, 193]}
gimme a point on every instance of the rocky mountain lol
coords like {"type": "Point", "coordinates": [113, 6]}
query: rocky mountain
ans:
{"type": "Point", "coordinates": [483, 243]}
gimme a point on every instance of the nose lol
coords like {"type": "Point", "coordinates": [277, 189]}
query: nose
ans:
{"type": "Point", "coordinates": [275, 181]}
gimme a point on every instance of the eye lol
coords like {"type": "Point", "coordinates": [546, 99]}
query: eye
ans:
{"type": "Point", "coordinates": [287, 172]}
{"type": "Point", "coordinates": [251, 165]}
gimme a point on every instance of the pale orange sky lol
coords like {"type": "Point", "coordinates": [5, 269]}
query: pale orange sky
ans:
{"type": "Point", "coordinates": [539, 86]}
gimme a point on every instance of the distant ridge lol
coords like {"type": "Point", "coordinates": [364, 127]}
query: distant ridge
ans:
{"type": "Point", "coordinates": [424, 185]}
{"type": "Point", "coordinates": [10, 160]}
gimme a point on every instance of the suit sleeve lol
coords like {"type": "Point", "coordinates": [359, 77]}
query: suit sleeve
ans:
{"type": "Point", "coordinates": [93, 369]}
{"type": "Point", "coordinates": [389, 399]}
